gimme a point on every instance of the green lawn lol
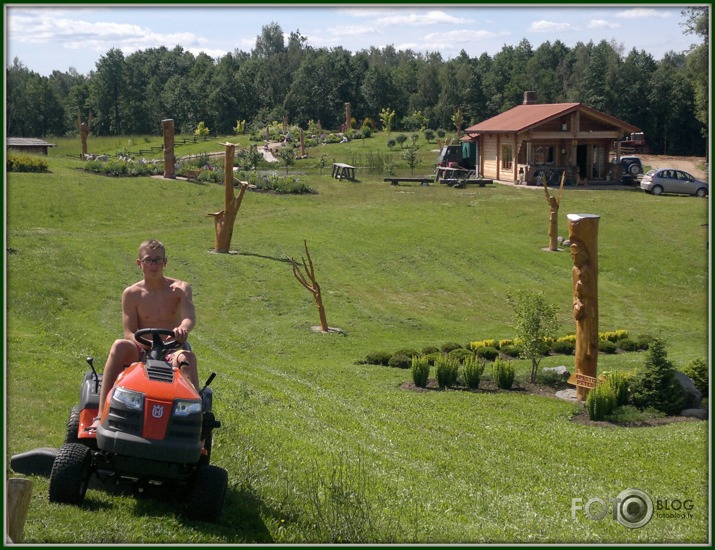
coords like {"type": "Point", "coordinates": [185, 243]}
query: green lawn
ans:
{"type": "Point", "coordinates": [320, 448]}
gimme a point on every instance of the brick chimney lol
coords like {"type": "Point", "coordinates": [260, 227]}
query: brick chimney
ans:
{"type": "Point", "coordinates": [530, 98]}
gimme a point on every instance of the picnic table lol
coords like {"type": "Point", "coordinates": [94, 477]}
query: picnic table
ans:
{"type": "Point", "coordinates": [343, 171]}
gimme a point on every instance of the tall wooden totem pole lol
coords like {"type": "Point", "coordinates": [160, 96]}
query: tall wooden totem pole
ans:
{"type": "Point", "coordinates": [583, 234]}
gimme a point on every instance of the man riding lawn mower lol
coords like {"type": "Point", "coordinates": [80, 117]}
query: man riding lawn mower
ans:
{"type": "Point", "coordinates": [155, 429]}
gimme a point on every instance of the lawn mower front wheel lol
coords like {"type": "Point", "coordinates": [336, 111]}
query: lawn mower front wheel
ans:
{"type": "Point", "coordinates": [70, 473]}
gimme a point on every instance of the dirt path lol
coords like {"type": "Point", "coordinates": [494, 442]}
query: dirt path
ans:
{"type": "Point", "coordinates": [689, 164]}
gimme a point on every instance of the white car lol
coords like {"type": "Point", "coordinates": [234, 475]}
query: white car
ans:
{"type": "Point", "coordinates": [671, 180]}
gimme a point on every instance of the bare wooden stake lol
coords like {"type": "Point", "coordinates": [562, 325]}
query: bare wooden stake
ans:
{"type": "Point", "coordinates": [224, 220]}
{"type": "Point", "coordinates": [19, 493]}
{"type": "Point", "coordinates": [312, 286]}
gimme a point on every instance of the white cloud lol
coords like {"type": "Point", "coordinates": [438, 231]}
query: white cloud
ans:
{"type": "Point", "coordinates": [637, 13]}
{"type": "Point", "coordinates": [51, 26]}
{"type": "Point", "coordinates": [400, 16]}
{"type": "Point", "coordinates": [550, 26]}
{"type": "Point", "coordinates": [602, 24]}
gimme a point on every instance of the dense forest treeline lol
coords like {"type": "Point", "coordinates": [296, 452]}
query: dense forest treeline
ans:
{"type": "Point", "coordinates": [286, 78]}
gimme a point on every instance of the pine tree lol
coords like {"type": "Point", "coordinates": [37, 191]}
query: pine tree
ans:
{"type": "Point", "coordinates": [655, 385]}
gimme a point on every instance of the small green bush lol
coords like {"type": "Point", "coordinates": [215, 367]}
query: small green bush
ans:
{"type": "Point", "coordinates": [449, 346]}
{"type": "Point", "coordinates": [697, 370]}
{"type": "Point", "coordinates": [563, 347]}
{"type": "Point", "coordinates": [654, 385]}
{"type": "Point", "coordinates": [378, 358]}
{"type": "Point", "coordinates": [446, 371]}
{"type": "Point", "coordinates": [488, 353]}
{"type": "Point", "coordinates": [472, 370]}
{"type": "Point", "coordinates": [644, 341]}
{"type": "Point", "coordinates": [628, 344]}
{"type": "Point", "coordinates": [606, 346]}
{"type": "Point", "coordinates": [512, 350]}
{"type": "Point", "coordinates": [428, 350]}
{"type": "Point", "coordinates": [503, 373]}
{"type": "Point", "coordinates": [409, 352]}
{"type": "Point", "coordinates": [600, 401]}
{"type": "Point", "coordinates": [620, 383]}
{"type": "Point", "coordinates": [26, 163]}
{"type": "Point", "coordinates": [551, 379]}
{"type": "Point", "coordinates": [420, 371]}
{"type": "Point", "coordinates": [400, 361]}
{"type": "Point", "coordinates": [460, 354]}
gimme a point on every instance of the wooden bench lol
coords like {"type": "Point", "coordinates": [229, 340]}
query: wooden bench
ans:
{"type": "Point", "coordinates": [422, 181]}
{"type": "Point", "coordinates": [463, 183]}
{"type": "Point", "coordinates": [343, 171]}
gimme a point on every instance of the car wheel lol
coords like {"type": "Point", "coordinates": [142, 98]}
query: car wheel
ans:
{"type": "Point", "coordinates": [656, 190]}
{"type": "Point", "coordinates": [634, 169]}
{"type": "Point", "coordinates": [702, 192]}
{"type": "Point", "coordinates": [70, 474]}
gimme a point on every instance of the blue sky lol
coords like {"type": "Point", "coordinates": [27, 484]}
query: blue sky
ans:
{"type": "Point", "coordinates": [48, 37]}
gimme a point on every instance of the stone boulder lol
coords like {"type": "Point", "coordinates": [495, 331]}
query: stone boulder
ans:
{"type": "Point", "coordinates": [691, 394]}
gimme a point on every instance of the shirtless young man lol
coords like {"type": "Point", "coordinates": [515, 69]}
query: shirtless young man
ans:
{"type": "Point", "coordinates": [154, 302]}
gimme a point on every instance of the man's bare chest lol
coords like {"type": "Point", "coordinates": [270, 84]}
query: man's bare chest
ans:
{"type": "Point", "coordinates": [158, 305]}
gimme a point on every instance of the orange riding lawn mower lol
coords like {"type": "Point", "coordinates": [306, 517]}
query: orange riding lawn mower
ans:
{"type": "Point", "coordinates": [156, 430]}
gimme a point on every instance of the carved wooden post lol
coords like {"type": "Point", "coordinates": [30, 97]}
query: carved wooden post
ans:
{"type": "Point", "coordinates": [554, 204]}
{"type": "Point", "coordinates": [84, 129]}
{"type": "Point", "coordinates": [312, 286]}
{"type": "Point", "coordinates": [583, 234]}
{"type": "Point", "coordinates": [19, 493]}
{"type": "Point", "coordinates": [225, 219]}
{"type": "Point", "coordinates": [347, 117]}
{"type": "Point", "coordinates": [167, 127]}
{"type": "Point", "coordinates": [302, 144]}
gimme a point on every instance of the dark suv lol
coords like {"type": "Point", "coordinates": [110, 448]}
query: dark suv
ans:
{"type": "Point", "coordinates": [630, 168]}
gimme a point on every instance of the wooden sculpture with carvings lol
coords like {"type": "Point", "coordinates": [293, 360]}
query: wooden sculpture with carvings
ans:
{"type": "Point", "coordinates": [583, 234]}
{"type": "Point", "coordinates": [167, 127]}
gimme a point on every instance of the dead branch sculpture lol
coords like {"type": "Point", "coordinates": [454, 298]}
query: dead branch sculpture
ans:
{"type": "Point", "coordinates": [312, 286]}
{"type": "Point", "coordinates": [84, 128]}
{"type": "Point", "coordinates": [554, 205]}
{"type": "Point", "coordinates": [224, 220]}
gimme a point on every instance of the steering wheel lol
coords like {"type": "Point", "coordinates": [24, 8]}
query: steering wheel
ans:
{"type": "Point", "coordinates": [157, 344]}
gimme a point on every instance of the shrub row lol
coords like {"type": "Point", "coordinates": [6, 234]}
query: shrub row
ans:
{"type": "Point", "coordinates": [450, 372]}
{"type": "Point", "coordinates": [26, 163]}
{"type": "Point", "coordinates": [491, 350]}
{"type": "Point", "coordinates": [124, 168]}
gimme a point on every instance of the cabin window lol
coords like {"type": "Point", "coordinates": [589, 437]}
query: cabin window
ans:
{"type": "Point", "coordinates": [507, 157]}
{"type": "Point", "coordinates": [544, 155]}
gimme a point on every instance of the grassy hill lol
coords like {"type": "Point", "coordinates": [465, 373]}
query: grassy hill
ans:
{"type": "Point", "coordinates": [318, 447]}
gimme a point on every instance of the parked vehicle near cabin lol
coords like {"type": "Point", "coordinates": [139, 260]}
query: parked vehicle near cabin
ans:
{"type": "Point", "coordinates": [670, 180]}
{"type": "Point", "coordinates": [463, 155]}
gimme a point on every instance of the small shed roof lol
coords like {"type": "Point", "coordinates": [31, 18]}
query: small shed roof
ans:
{"type": "Point", "coordinates": [524, 117]}
{"type": "Point", "coordinates": [27, 142]}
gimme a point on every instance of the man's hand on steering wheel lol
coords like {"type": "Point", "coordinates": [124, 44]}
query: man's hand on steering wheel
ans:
{"type": "Point", "coordinates": [181, 334]}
